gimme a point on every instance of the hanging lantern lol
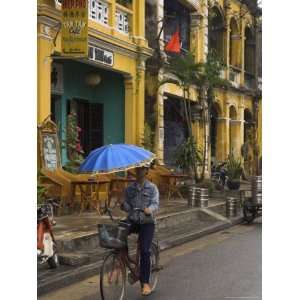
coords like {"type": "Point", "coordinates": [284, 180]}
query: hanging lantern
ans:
{"type": "Point", "coordinates": [92, 79]}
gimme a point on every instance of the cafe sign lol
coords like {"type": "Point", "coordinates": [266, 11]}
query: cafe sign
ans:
{"type": "Point", "coordinates": [75, 28]}
{"type": "Point", "coordinates": [100, 55]}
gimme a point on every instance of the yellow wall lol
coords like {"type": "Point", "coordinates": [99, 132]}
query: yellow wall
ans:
{"type": "Point", "coordinates": [132, 50]}
{"type": "Point", "coordinates": [228, 131]}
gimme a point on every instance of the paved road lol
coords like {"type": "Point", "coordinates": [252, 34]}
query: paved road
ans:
{"type": "Point", "coordinates": [224, 265]}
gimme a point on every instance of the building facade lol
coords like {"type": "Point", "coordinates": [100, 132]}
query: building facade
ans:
{"type": "Point", "coordinates": [229, 27]}
{"type": "Point", "coordinates": [112, 90]}
{"type": "Point", "coordinates": [106, 90]}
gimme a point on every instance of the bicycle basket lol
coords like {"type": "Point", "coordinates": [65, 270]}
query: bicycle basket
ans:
{"type": "Point", "coordinates": [112, 236]}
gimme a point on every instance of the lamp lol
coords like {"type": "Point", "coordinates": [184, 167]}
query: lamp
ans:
{"type": "Point", "coordinates": [92, 79]}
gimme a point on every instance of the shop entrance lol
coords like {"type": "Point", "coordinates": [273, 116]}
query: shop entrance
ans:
{"type": "Point", "coordinates": [90, 120]}
{"type": "Point", "coordinates": [175, 129]}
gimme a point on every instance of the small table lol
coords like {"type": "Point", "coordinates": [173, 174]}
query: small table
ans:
{"type": "Point", "coordinates": [89, 192]}
{"type": "Point", "coordinates": [115, 190]}
{"type": "Point", "coordinates": [173, 180]}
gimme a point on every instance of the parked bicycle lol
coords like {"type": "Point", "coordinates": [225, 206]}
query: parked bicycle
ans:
{"type": "Point", "coordinates": [120, 266]}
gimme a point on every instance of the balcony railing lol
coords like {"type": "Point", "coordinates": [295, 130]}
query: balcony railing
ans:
{"type": "Point", "coordinates": [259, 83]}
{"type": "Point", "coordinates": [235, 76]}
{"type": "Point", "coordinates": [123, 19]}
{"type": "Point", "coordinates": [99, 11]}
{"type": "Point", "coordinates": [249, 81]}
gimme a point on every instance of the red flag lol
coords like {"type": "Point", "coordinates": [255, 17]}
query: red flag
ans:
{"type": "Point", "coordinates": [174, 43]}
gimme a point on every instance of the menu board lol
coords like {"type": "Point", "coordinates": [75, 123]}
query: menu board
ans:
{"type": "Point", "coordinates": [49, 148]}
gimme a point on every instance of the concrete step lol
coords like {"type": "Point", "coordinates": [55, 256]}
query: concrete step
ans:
{"type": "Point", "coordinates": [87, 238]}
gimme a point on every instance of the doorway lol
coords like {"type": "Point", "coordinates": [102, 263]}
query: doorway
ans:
{"type": "Point", "coordinates": [175, 129]}
{"type": "Point", "coordinates": [90, 120]}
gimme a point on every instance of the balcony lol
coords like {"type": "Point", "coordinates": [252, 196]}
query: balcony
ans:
{"type": "Point", "coordinates": [259, 83]}
{"type": "Point", "coordinates": [235, 76]}
{"type": "Point", "coordinates": [123, 19]}
{"type": "Point", "coordinates": [249, 81]}
{"type": "Point", "coordinates": [100, 12]}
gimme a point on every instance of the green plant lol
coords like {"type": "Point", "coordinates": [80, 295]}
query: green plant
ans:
{"type": "Point", "coordinates": [234, 167]}
{"type": "Point", "coordinates": [74, 148]}
{"type": "Point", "coordinates": [188, 154]}
{"type": "Point", "coordinates": [207, 184]}
{"type": "Point", "coordinates": [148, 138]}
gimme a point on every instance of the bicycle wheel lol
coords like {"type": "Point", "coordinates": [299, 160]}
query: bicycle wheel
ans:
{"type": "Point", "coordinates": [154, 259]}
{"type": "Point", "coordinates": [113, 278]}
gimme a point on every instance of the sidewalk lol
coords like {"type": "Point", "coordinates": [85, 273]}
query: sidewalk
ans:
{"type": "Point", "coordinates": [78, 244]}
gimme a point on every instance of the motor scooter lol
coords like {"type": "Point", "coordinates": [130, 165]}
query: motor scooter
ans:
{"type": "Point", "coordinates": [46, 245]}
{"type": "Point", "coordinates": [218, 174]}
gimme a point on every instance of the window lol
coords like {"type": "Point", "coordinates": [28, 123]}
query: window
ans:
{"type": "Point", "coordinates": [122, 22]}
{"type": "Point", "coordinates": [177, 16]}
{"type": "Point", "coordinates": [98, 11]}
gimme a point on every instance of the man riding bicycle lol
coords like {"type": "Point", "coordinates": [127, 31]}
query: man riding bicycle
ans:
{"type": "Point", "coordinates": [141, 202]}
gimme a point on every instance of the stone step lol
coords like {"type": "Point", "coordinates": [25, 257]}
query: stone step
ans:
{"type": "Point", "coordinates": [87, 238]}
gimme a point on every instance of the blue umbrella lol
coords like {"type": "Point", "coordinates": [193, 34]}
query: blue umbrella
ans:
{"type": "Point", "coordinates": [115, 158]}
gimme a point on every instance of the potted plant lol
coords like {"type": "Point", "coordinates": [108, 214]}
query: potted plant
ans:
{"type": "Point", "coordinates": [187, 155]}
{"type": "Point", "coordinates": [234, 172]}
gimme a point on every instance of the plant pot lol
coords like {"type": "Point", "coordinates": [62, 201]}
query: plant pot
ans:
{"type": "Point", "coordinates": [233, 184]}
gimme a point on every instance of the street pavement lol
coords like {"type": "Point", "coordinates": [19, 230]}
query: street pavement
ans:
{"type": "Point", "coordinates": [224, 265]}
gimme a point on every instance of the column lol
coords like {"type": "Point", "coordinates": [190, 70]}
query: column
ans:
{"type": "Point", "coordinates": [159, 134]}
{"type": "Point", "coordinates": [130, 111]}
{"type": "Point", "coordinates": [242, 53]}
{"type": "Point", "coordinates": [222, 139]}
{"type": "Point", "coordinates": [140, 101]}
{"type": "Point", "coordinates": [203, 31]}
{"type": "Point", "coordinates": [44, 50]}
{"type": "Point", "coordinates": [195, 36]}
{"type": "Point", "coordinates": [139, 8]}
{"type": "Point", "coordinates": [235, 137]}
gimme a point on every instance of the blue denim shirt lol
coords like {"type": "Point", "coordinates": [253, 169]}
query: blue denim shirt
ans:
{"type": "Point", "coordinates": [137, 196]}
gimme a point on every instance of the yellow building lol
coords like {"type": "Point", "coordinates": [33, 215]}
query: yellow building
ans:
{"type": "Point", "coordinates": [110, 90]}
{"type": "Point", "coordinates": [107, 88]}
{"type": "Point", "coordinates": [229, 27]}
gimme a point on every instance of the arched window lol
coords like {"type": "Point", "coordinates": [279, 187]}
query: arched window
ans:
{"type": "Point", "coordinates": [216, 31]}
{"type": "Point", "coordinates": [234, 58]}
{"type": "Point", "coordinates": [249, 51]}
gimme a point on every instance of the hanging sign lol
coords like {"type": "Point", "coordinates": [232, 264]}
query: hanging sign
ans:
{"type": "Point", "coordinates": [74, 40]}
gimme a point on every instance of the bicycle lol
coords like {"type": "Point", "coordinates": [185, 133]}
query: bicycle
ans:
{"type": "Point", "coordinates": [118, 266]}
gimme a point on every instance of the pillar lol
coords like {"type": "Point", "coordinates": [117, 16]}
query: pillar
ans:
{"type": "Point", "coordinates": [140, 102]}
{"type": "Point", "coordinates": [159, 134]}
{"type": "Point", "coordinates": [195, 36]}
{"type": "Point", "coordinates": [139, 8]}
{"type": "Point", "coordinates": [130, 111]}
{"type": "Point", "coordinates": [44, 50]}
{"type": "Point", "coordinates": [203, 31]}
{"type": "Point", "coordinates": [242, 53]}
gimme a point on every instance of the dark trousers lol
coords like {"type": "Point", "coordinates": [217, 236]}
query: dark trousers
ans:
{"type": "Point", "coordinates": [146, 232]}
